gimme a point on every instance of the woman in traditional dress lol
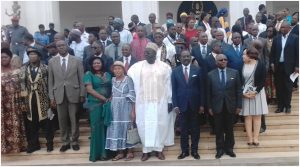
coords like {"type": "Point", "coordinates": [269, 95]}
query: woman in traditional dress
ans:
{"type": "Point", "coordinates": [98, 86]}
{"type": "Point", "coordinates": [12, 122]}
{"type": "Point", "coordinates": [254, 101]}
{"type": "Point", "coordinates": [123, 111]}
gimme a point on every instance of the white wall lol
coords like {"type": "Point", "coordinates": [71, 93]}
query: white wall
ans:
{"type": "Point", "coordinates": [275, 6]}
{"type": "Point", "coordinates": [140, 8]}
{"type": "Point", "coordinates": [91, 13]}
{"type": "Point", "coordinates": [33, 13]}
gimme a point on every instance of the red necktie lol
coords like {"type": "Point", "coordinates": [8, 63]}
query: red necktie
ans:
{"type": "Point", "coordinates": [126, 64]}
{"type": "Point", "coordinates": [186, 75]}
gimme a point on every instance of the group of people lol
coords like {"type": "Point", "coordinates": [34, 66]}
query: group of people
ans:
{"type": "Point", "coordinates": [160, 78]}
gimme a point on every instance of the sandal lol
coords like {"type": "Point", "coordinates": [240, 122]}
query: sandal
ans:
{"type": "Point", "coordinates": [129, 157]}
{"type": "Point", "coordinates": [118, 157]}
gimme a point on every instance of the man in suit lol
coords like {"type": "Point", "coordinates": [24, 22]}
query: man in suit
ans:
{"type": "Point", "coordinates": [202, 50]}
{"type": "Point", "coordinates": [224, 93]}
{"type": "Point", "coordinates": [114, 50]}
{"type": "Point", "coordinates": [243, 19]}
{"type": "Point", "coordinates": [263, 50]}
{"type": "Point", "coordinates": [284, 62]}
{"type": "Point", "coordinates": [60, 36]}
{"type": "Point", "coordinates": [103, 35]}
{"type": "Point", "coordinates": [235, 52]}
{"type": "Point", "coordinates": [295, 24]}
{"type": "Point", "coordinates": [188, 101]}
{"type": "Point", "coordinates": [127, 59]}
{"type": "Point", "coordinates": [30, 42]}
{"type": "Point", "coordinates": [149, 27]}
{"type": "Point", "coordinates": [88, 51]}
{"type": "Point", "coordinates": [136, 20]}
{"type": "Point", "coordinates": [98, 52]}
{"type": "Point", "coordinates": [66, 91]}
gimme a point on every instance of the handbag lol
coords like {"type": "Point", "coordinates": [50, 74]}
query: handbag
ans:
{"type": "Point", "coordinates": [132, 134]}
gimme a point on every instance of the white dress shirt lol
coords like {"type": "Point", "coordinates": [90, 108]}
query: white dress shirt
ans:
{"type": "Point", "coordinates": [125, 36]}
{"type": "Point", "coordinates": [128, 59]}
{"type": "Point", "coordinates": [188, 69]}
{"type": "Point", "coordinates": [283, 42]}
{"type": "Point", "coordinates": [78, 48]}
{"type": "Point", "coordinates": [261, 27]}
{"type": "Point", "coordinates": [85, 37]}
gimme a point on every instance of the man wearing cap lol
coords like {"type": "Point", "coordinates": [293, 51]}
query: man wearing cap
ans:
{"type": "Point", "coordinates": [77, 44]}
{"type": "Point", "coordinates": [15, 34]}
{"type": "Point", "coordinates": [149, 27]}
{"type": "Point", "coordinates": [51, 32]}
{"type": "Point", "coordinates": [125, 35]}
{"type": "Point", "coordinates": [30, 42]}
{"type": "Point", "coordinates": [138, 45]}
{"type": "Point", "coordinates": [154, 118]}
{"type": "Point", "coordinates": [66, 91]}
{"type": "Point", "coordinates": [34, 77]}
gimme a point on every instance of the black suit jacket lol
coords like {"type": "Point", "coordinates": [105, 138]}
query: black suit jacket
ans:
{"type": "Point", "coordinates": [241, 19]}
{"type": "Point", "coordinates": [132, 60]}
{"type": "Point", "coordinates": [295, 30]}
{"type": "Point", "coordinates": [231, 95]}
{"type": "Point", "coordinates": [191, 94]}
{"type": "Point", "coordinates": [196, 52]}
{"type": "Point", "coordinates": [210, 62]}
{"type": "Point", "coordinates": [291, 53]}
{"type": "Point", "coordinates": [259, 76]}
{"type": "Point", "coordinates": [108, 42]}
{"type": "Point", "coordinates": [87, 52]}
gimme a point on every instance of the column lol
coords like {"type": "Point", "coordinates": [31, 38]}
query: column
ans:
{"type": "Point", "coordinates": [140, 8]}
{"type": "Point", "coordinates": [236, 9]}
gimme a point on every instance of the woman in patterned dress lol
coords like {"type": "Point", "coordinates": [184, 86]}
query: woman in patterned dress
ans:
{"type": "Point", "coordinates": [123, 111]}
{"type": "Point", "coordinates": [12, 122]}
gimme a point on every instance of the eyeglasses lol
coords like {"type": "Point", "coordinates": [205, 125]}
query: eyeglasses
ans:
{"type": "Point", "coordinates": [222, 60]}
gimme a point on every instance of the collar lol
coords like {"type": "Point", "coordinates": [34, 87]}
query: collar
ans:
{"type": "Point", "coordinates": [129, 58]}
{"type": "Point", "coordinates": [188, 66]}
{"type": "Point", "coordinates": [32, 44]}
{"type": "Point", "coordinates": [203, 45]}
{"type": "Point", "coordinates": [234, 46]}
{"type": "Point", "coordinates": [287, 35]}
{"type": "Point", "coordinates": [99, 55]}
{"type": "Point", "coordinates": [221, 69]}
{"type": "Point", "coordinates": [66, 57]}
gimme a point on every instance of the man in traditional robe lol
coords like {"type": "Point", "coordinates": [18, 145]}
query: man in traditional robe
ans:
{"type": "Point", "coordinates": [154, 118]}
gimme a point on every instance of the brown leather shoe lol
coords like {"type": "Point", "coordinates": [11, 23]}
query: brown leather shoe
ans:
{"type": "Point", "coordinates": [145, 157]}
{"type": "Point", "coordinates": [160, 155]}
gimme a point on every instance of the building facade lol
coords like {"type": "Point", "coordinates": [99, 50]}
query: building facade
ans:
{"type": "Point", "coordinates": [95, 13]}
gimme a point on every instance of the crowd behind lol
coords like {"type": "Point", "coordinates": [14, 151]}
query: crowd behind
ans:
{"type": "Point", "coordinates": [165, 79]}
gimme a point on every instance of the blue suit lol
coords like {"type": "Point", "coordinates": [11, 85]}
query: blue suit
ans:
{"type": "Point", "coordinates": [188, 97]}
{"type": "Point", "coordinates": [235, 60]}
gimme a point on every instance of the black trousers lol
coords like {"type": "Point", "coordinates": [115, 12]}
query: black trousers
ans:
{"type": "Point", "coordinates": [34, 126]}
{"type": "Point", "coordinates": [284, 87]}
{"type": "Point", "coordinates": [189, 121]}
{"type": "Point", "coordinates": [224, 125]}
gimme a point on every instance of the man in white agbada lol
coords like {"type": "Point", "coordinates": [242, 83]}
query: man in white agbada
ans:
{"type": "Point", "coordinates": [152, 84]}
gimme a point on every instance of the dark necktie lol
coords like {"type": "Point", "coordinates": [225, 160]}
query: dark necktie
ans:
{"type": "Point", "coordinates": [33, 73]}
{"type": "Point", "coordinates": [116, 52]}
{"type": "Point", "coordinates": [186, 75]}
{"type": "Point", "coordinates": [103, 43]}
{"type": "Point", "coordinates": [204, 52]}
{"type": "Point", "coordinates": [64, 66]}
{"type": "Point", "coordinates": [223, 78]}
{"type": "Point", "coordinates": [126, 64]}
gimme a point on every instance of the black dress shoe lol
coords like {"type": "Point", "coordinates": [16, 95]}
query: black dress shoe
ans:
{"type": "Point", "coordinates": [219, 154]}
{"type": "Point", "coordinates": [64, 148]}
{"type": "Point", "coordinates": [262, 130]}
{"type": "Point", "coordinates": [183, 155]}
{"type": "Point", "coordinates": [288, 110]}
{"type": "Point", "coordinates": [49, 147]}
{"type": "Point", "coordinates": [33, 149]}
{"type": "Point", "coordinates": [75, 147]}
{"type": "Point", "coordinates": [145, 157]}
{"type": "Point", "coordinates": [195, 155]}
{"type": "Point", "coordinates": [230, 153]}
{"type": "Point", "coordinates": [279, 110]}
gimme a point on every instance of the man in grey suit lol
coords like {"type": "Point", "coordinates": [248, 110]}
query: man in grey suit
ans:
{"type": "Point", "coordinates": [114, 50]}
{"type": "Point", "coordinates": [66, 91]}
{"type": "Point", "coordinates": [224, 93]}
{"type": "Point", "coordinates": [88, 51]}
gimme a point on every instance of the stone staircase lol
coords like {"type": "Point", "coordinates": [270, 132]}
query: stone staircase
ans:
{"type": "Point", "coordinates": [279, 145]}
